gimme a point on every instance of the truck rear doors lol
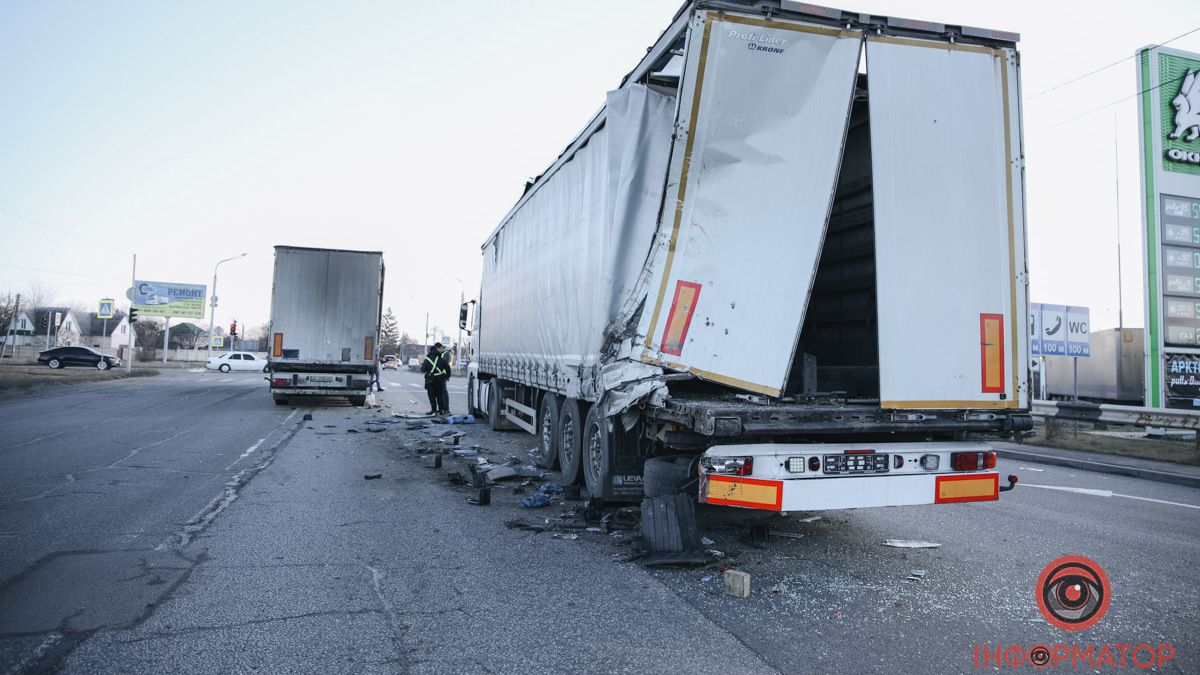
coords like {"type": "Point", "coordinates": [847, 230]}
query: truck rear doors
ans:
{"type": "Point", "coordinates": [753, 167]}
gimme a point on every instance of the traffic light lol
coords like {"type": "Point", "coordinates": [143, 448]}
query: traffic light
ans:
{"type": "Point", "coordinates": [45, 322]}
{"type": "Point", "coordinates": [233, 330]}
{"type": "Point", "coordinates": [132, 315]}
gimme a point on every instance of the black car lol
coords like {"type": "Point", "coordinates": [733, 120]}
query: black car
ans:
{"type": "Point", "coordinates": [77, 356]}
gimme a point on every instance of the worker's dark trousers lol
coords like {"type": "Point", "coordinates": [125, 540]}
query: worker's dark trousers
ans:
{"type": "Point", "coordinates": [439, 398]}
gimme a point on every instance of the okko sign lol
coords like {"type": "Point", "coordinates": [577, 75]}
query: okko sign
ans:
{"type": "Point", "coordinates": [1169, 116]}
{"type": "Point", "coordinates": [160, 298]}
{"type": "Point", "coordinates": [1059, 330]}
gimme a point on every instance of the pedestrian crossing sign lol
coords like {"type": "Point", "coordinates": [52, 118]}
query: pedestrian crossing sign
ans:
{"type": "Point", "coordinates": [106, 309]}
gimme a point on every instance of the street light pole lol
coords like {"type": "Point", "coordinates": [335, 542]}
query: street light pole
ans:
{"type": "Point", "coordinates": [212, 314]}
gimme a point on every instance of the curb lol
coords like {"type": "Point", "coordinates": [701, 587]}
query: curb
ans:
{"type": "Point", "coordinates": [1103, 467]}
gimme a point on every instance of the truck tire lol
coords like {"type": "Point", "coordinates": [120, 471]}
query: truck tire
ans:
{"type": "Point", "coordinates": [669, 475]}
{"type": "Point", "coordinates": [471, 409]}
{"type": "Point", "coordinates": [495, 392]}
{"type": "Point", "coordinates": [569, 440]}
{"type": "Point", "coordinates": [596, 444]}
{"type": "Point", "coordinates": [358, 401]}
{"type": "Point", "coordinates": [546, 455]}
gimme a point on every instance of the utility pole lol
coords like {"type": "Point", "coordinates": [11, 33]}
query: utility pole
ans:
{"type": "Point", "coordinates": [132, 294]}
{"type": "Point", "coordinates": [9, 337]}
{"type": "Point", "coordinates": [166, 332]}
{"type": "Point", "coordinates": [1117, 179]}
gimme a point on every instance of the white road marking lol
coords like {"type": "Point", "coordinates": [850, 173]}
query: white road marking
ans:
{"type": "Point", "coordinates": [247, 453]}
{"type": "Point", "coordinates": [1030, 468]}
{"type": "Point", "coordinates": [1108, 493]}
{"type": "Point", "coordinates": [414, 384]}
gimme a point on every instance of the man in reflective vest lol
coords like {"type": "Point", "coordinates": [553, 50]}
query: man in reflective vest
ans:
{"type": "Point", "coordinates": [437, 370]}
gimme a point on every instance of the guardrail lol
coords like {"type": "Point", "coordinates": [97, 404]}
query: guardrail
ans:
{"type": "Point", "coordinates": [1118, 414]}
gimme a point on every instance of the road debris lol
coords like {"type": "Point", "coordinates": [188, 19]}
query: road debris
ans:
{"type": "Point", "coordinates": [372, 476]}
{"type": "Point", "coordinates": [915, 575]}
{"type": "Point", "coordinates": [482, 497]}
{"type": "Point", "coordinates": [786, 535]}
{"type": "Point", "coordinates": [535, 500]}
{"type": "Point", "coordinates": [810, 519]}
{"type": "Point", "coordinates": [706, 541]}
{"type": "Point", "coordinates": [568, 537]}
{"type": "Point", "coordinates": [737, 583]}
{"type": "Point", "coordinates": [518, 525]}
{"type": "Point", "coordinates": [465, 452]}
{"type": "Point", "coordinates": [909, 543]}
{"type": "Point", "coordinates": [460, 419]}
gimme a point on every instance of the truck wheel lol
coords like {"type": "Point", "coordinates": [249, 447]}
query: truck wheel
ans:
{"type": "Point", "coordinates": [495, 391]}
{"type": "Point", "coordinates": [547, 447]}
{"type": "Point", "coordinates": [358, 400]}
{"type": "Point", "coordinates": [280, 400]}
{"type": "Point", "coordinates": [669, 475]}
{"type": "Point", "coordinates": [569, 440]}
{"type": "Point", "coordinates": [596, 442]}
{"type": "Point", "coordinates": [471, 389]}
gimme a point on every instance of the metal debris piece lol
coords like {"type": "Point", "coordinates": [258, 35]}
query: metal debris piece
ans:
{"type": "Point", "coordinates": [786, 535]}
{"type": "Point", "coordinates": [372, 476]}
{"type": "Point", "coordinates": [910, 543]}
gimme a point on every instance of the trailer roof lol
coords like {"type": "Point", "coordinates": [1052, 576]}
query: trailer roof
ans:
{"type": "Point", "coordinates": [324, 250]}
{"type": "Point", "coordinates": [791, 9]}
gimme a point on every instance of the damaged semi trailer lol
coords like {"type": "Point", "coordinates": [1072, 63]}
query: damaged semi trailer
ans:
{"type": "Point", "coordinates": [783, 268]}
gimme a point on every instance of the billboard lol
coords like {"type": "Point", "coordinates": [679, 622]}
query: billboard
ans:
{"type": "Point", "coordinates": [1169, 117]}
{"type": "Point", "coordinates": [160, 298]}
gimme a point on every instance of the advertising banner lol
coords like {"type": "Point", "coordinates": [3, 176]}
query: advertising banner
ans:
{"type": "Point", "coordinates": [161, 298]}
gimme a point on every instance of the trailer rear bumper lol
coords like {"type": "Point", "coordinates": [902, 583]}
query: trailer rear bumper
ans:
{"type": "Point", "coordinates": [816, 477]}
{"type": "Point", "coordinates": [317, 391]}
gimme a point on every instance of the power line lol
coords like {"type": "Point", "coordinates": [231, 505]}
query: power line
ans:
{"type": "Point", "coordinates": [71, 274]}
{"type": "Point", "coordinates": [14, 214]}
{"type": "Point", "coordinates": [1103, 68]}
{"type": "Point", "coordinates": [1109, 105]}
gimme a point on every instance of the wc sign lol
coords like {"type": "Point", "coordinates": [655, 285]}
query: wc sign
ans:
{"type": "Point", "coordinates": [1059, 330]}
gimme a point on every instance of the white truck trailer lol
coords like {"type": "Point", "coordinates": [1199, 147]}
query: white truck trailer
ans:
{"type": "Point", "coordinates": [326, 306]}
{"type": "Point", "coordinates": [783, 267]}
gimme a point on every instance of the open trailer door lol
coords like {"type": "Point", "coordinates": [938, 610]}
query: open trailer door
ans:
{"type": "Point", "coordinates": [949, 224]}
{"type": "Point", "coordinates": [762, 118]}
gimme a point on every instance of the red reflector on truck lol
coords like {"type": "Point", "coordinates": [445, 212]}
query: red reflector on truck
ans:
{"type": "Point", "coordinates": [369, 349]}
{"type": "Point", "coordinates": [860, 452]}
{"type": "Point", "coordinates": [745, 492]}
{"type": "Point", "coordinates": [953, 489]}
{"type": "Point", "coordinates": [277, 345]}
{"type": "Point", "coordinates": [280, 381]}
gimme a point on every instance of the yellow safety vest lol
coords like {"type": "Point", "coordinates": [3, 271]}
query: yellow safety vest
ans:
{"type": "Point", "coordinates": [434, 369]}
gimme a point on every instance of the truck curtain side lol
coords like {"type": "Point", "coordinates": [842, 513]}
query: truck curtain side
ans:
{"type": "Point", "coordinates": [795, 228]}
{"type": "Point", "coordinates": [326, 308]}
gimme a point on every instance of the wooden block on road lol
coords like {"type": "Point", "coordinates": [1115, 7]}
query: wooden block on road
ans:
{"type": "Point", "coordinates": [737, 583]}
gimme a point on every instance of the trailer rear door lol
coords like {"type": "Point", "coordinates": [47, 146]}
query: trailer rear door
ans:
{"type": "Point", "coordinates": [949, 227]}
{"type": "Point", "coordinates": [762, 117]}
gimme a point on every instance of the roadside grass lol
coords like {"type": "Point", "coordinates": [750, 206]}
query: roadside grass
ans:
{"type": "Point", "coordinates": [22, 381]}
{"type": "Point", "coordinates": [1181, 450]}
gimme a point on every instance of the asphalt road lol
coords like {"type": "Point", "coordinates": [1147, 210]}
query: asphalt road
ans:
{"type": "Point", "coordinates": [184, 523]}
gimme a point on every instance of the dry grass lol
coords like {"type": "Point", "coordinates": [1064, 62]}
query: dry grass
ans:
{"type": "Point", "coordinates": [22, 381]}
{"type": "Point", "coordinates": [1178, 450]}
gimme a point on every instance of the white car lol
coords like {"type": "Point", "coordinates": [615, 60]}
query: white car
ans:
{"type": "Point", "coordinates": [237, 361]}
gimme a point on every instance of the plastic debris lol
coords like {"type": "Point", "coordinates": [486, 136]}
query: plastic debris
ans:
{"type": "Point", "coordinates": [909, 543]}
{"type": "Point", "coordinates": [465, 452]}
{"type": "Point", "coordinates": [550, 488]}
{"type": "Point", "coordinates": [536, 500]}
{"type": "Point", "coordinates": [568, 537]}
{"type": "Point", "coordinates": [706, 541]}
{"type": "Point", "coordinates": [916, 575]}
{"type": "Point", "coordinates": [460, 419]}
{"type": "Point", "coordinates": [595, 529]}
{"type": "Point", "coordinates": [787, 535]}
{"type": "Point", "coordinates": [715, 553]}
{"type": "Point", "coordinates": [372, 476]}
{"type": "Point", "coordinates": [810, 519]}
{"type": "Point", "coordinates": [500, 473]}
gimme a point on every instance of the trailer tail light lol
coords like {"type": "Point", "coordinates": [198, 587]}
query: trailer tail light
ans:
{"type": "Point", "coordinates": [897, 462]}
{"type": "Point", "coordinates": [277, 345]}
{"type": "Point", "coordinates": [735, 466]}
{"type": "Point", "coordinates": [280, 381]}
{"type": "Point", "coordinates": [973, 461]}
{"type": "Point", "coordinates": [814, 463]}
{"type": "Point", "coordinates": [860, 452]}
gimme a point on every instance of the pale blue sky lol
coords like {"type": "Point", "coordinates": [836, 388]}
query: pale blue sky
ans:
{"type": "Point", "coordinates": [189, 132]}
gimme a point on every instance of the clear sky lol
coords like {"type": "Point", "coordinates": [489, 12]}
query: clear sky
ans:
{"type": "Point", "coordinates": [191, 132]}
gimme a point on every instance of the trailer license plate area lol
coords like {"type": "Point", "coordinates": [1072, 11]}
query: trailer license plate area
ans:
{"type": "Point", "coordinates": [849, 464]}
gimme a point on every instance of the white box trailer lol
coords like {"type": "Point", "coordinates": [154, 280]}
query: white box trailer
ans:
{"type": "Point", "coordinates": [326, 307]}
{"type": "Point", "coordinates": [789, 251]}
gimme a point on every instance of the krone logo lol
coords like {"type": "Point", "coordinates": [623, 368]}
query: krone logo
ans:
{"type": "Point", "coordinates": [1187, 108]}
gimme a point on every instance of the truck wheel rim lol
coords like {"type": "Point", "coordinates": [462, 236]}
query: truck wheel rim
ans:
{"type": "Point", "coordinates": [568, 432]}
{"type": "Point", "coordinates": [547, 435]}
{"type": "Point", "coordinates": [595, 453]}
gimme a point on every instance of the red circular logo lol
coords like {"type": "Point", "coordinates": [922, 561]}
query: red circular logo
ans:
{"type": "Point", "coordinates": [1073, 592]}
